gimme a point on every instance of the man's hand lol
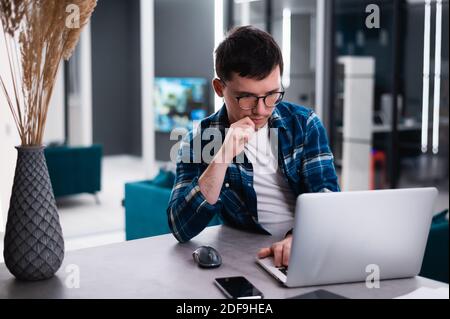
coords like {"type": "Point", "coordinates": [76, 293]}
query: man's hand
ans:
{"type": "Point", "coordinates": [211, 181]}
{"type": "Point", "coordinates": [280, 251]}
{"type": "Point", "coordinates": [237, 137]}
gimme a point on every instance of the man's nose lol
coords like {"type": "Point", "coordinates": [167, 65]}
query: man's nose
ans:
{"type": "Point", "coordinates": [260, 107]}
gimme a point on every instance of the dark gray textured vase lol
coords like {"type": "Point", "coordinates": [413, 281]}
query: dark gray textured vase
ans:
{"type": "Point", "coordinates": [34, 245]}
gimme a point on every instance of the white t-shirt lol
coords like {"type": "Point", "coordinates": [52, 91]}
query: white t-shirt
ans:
{"type": "Point", "coordinates": [275, 199]}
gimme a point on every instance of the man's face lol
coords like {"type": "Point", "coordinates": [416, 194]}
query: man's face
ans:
{"type": "Point", "coordinates": [240, 86]}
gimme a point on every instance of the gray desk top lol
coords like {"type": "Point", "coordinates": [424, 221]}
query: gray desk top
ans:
{"type": "Point", "coordinates": [159, 267]}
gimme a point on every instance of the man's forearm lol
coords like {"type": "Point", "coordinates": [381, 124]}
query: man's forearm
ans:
{"type": "Point", "coordinates": [212, 179]}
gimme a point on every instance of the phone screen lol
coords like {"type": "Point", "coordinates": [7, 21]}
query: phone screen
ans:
{"type": "Point", "coordinates": [238, 288]}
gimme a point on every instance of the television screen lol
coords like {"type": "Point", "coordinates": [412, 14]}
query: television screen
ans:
{"type": "Point", "coordinates": [179, 102]}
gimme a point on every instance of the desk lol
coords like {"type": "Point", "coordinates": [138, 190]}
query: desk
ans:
{"type": "Point", "coordinates": [159, 267]}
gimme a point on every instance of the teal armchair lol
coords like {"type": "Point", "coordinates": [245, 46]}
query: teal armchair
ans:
{"type": "Point", "coordinates": [146, 203]}
{"type": "Point", "coordinates": [74, 170]}
{"type": "Point", "coordinates": [435, 262]}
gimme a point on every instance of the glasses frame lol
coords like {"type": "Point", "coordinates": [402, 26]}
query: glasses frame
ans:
{"type": "Point", "coordinates": [264, 97]}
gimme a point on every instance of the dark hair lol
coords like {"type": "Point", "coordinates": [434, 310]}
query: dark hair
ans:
{"type": "Point", "coordinates": [249, 52]}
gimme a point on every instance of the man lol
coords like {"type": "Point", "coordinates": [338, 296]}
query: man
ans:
{"type": "Point", "coordinates": [261, 189]}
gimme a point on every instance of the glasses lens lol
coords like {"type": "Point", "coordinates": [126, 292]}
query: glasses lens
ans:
{"type": "Point", "coordinates": [247, 102]}
{"type": "Point", "coordinates": [273, 99]}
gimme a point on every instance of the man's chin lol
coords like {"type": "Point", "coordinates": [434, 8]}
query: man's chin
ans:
{"type": "Point", "coordinates": [259, 122]}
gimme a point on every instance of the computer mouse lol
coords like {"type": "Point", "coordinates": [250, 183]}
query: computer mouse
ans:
{"type": "Point", "coordinates": [207, 257]}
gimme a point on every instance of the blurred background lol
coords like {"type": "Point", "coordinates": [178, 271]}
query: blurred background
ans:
{"type": "Point", "coordinates": [376, 73]}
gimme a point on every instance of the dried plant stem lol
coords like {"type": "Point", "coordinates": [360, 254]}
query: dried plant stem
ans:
{"type": "Point", "coordinates": [13, 70]}
{"type": "Point", "coordinates": [11, 107]}
{"type": "Point", "coordinates": [36, 35]}
{"type": "Point", "coordinates": [13, 77]}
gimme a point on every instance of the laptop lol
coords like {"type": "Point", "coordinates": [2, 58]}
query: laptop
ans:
{"type": "Point", "coordinates": [347, 236]}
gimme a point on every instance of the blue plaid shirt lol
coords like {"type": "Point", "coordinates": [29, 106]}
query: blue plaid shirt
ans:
{"type": "Point", "coordinates": [304, 158]}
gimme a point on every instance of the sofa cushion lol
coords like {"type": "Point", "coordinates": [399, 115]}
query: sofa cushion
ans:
{"type": "Point", "coordinates": [74, 170]}
{"type": "Point", "coordinates": [440, 217]}
{"type": "Point", "coordinates": [164, 179]}
{"type": "Point", "coordinates": [435, 262]}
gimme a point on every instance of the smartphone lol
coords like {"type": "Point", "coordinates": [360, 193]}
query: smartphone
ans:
{"type": "Point", "coordinates": [238, 288]}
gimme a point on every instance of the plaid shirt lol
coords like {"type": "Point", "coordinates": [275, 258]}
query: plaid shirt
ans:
{"type": "Point", "coordinates": [304, 158]}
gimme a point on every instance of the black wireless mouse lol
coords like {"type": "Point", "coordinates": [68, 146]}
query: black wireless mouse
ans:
{"type": "Point", "coordinates": [207, 257]}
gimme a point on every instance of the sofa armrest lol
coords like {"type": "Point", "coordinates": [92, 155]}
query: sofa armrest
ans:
{"type": "Point", "coordinates": [146, 210]}
{"type": "Point", "coordinates": [435, 262]}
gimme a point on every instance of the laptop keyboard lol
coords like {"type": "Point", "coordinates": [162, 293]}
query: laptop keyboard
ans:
{"type": "Point", "coordinates": [283, 270]}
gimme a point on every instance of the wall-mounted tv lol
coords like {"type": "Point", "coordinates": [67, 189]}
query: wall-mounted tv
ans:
{"type": "Point", "coordinates": [178, 102]}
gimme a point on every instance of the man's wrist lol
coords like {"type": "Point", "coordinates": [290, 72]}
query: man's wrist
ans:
{"type": "Point", "coordinates": [221, 157]}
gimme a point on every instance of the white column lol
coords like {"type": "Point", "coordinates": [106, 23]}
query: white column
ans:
{"type": "Point", "coordinates": [245, 13]}
{"type": "Point", "coordinates": [147, 80]}
{"type": "Point", "coordinates": [320, 57]}
{"type": "Point", "coordinates": [2, 223]}
{"type": "Point", "coordinates": [80, 115]}
{"type": "Point", "coordinates": [218, 38]}
{"type": "Point", "coordinates": [286, 47]}
{"type": "Point", "coordinates": [437, 76]}
{"type": "Point", "coordinates": [426, 76]}
{"type": "Point", "coordinates": [86, 86]}
{"type": "Point", "coordinates": [357, 131]}
{"type": "Point", "coordinates": [54, 127]}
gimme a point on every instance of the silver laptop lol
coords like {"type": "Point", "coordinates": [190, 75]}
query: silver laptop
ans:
{"type": "Point", "coordinates": [345, 237]}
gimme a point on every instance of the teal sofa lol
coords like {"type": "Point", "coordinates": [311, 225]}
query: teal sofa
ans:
{"type": "Point", "coordinates": [435, 262]}
{"type": "Point", "coordinates": [146, 203]}
{"type": "Point", "coordinates": [74, 170]}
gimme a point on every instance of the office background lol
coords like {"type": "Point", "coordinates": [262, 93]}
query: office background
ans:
{"type": "Point", "coordinates": [105, 95]}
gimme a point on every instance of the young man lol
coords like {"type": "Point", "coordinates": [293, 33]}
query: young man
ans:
{"type": "Point", "coordinates": [261, 190]}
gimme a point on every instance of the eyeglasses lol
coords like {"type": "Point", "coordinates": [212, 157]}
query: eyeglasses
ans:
{"type": "Point", "coordinates": [270, 100]}
{"type": "Point", "coordinates": [249, 102]}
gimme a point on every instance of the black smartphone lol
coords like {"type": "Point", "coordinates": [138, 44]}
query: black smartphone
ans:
{"type": "Point", "coordinates": [238, 288]}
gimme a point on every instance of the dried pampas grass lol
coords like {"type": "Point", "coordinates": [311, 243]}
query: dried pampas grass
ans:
{"type": "Point", "coordinates": [37, 37]}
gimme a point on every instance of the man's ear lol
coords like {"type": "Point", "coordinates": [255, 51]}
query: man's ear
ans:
{"type": "Point", "coordinates": [218, 87]}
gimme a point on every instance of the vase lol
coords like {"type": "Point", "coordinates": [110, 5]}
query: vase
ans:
{"type": "Point", "coordinates": [33, 244]}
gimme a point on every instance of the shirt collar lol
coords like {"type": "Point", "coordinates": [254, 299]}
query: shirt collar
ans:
{"type": "Point", "coordinates": [276, 120]}
{"type": "Point", "coordinates": [220, 119]}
